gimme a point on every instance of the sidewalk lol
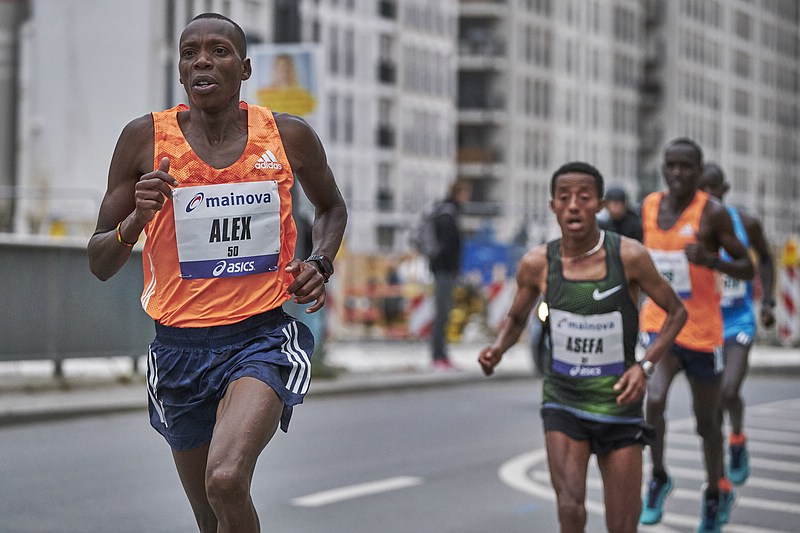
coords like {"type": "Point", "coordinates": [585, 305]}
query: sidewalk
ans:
{"type": "Point", "coordinates": [30, 392]}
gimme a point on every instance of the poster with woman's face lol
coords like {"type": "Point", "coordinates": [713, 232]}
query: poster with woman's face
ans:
{"type": "Point", "coordinates": [284, 79]}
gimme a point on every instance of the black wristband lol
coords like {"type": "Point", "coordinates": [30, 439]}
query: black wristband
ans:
{"type": "Point", "coordinates": [714, 263]}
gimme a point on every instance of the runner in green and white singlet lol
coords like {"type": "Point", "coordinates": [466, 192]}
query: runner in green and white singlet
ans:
{"type": "Point", "coordinates": [594, 326]}
{"type": "Point", "coordinates": [592, 396]}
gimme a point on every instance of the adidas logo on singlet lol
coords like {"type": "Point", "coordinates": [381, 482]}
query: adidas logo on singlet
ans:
{"type": "Point", "coordinates": [268, 161]}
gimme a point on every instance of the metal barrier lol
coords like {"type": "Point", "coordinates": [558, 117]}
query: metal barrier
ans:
{"type": "Point", "coordinates": [54, 308]}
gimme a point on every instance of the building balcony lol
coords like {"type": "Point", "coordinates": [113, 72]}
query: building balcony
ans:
{"type": "Point", "coordinates": [478, 154]}
{"type": "Point", "coordinates": [482, 63]}
{"type": "Point", "coordinates": [494, 171]}
{"type": "Point", "coordinates": [483, 8]}
{"type": "Point", "coordinates": [483, 47]}
{"type": "Point", "coordinates": [481, 116]}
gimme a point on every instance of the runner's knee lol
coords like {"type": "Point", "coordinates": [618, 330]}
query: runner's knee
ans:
{"type": "Point", "coordinates": [571, 510]}
{"type": "Point", "coordinates": [623, 524]}
{"type": "Point", "coordinates": [227, 484]}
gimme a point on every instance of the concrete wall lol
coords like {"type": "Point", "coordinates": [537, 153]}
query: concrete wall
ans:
{"type": "Point", "coordinates": [54, 308]}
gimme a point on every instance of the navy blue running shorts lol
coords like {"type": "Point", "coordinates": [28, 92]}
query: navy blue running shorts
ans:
{"type": "Point", "coordinates": [189, 370]}
{"type": "Point", "coordinates": [603, 437]}
{"type": "Point", "coordinates": [702, 366]}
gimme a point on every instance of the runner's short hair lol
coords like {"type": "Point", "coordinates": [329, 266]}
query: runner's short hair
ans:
{"type": "Point", "coordinates": [240, 36]}
{"type": "Point", "coordinates": [581, 167]}
{"type": "Point", "coordinates": [686, 141]}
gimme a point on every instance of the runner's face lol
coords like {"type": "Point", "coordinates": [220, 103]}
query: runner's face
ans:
{"type": "Point", "coordinates": [681, 169]}
{"type": "Point", "coordinates": [576, 203]}
{"type": "Point", "coordinates": [711, 183]}
{"type": "Point", "coordinates": [210, 67]}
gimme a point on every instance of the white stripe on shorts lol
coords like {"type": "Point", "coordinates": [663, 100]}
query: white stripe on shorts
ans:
{"type": "Point", "coordinates": [300, 376]}
{"type": "Point", "coordinates": [152, 384]}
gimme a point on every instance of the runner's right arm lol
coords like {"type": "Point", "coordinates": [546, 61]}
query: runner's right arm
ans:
{"type": "Point", "coordinates": [642, 274]}
{"type": "Point", "coordinates": [135, 192]}
{"type": "Point", "coordinates": [530, 275]}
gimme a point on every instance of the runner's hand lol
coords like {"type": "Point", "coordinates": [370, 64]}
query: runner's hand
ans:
{"type": "Point", "coordinates": [308, 285]}
{"type": "Point", "coordinates": [152, 190]}
{"type": "Point", "coordinates": [488, 359]}
{"type": "Point", "coordinates": [698, 254]}
{"type": "Point", "coordinates": [767, 316]}
{"type": "Point", "coordinates": [632, 385]}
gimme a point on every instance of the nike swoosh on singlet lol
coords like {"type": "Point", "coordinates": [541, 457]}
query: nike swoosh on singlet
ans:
{"type": "Point", "coordinates": [598, 295]}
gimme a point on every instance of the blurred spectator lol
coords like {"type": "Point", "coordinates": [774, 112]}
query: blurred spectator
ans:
{"type": "Point", "coordinates": [621, 218]}
{"type": "Point", "coordinates": [446, 267]}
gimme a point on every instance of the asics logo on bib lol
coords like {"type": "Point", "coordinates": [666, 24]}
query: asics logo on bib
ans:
{"type": "Point", "coordinates": [584, 371]}
{"type": "Point", "coordinates": [233, 267]}
{"type": "Point", "coordinates": [268, 161]}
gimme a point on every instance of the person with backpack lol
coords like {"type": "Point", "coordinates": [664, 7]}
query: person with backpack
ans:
{"type": "Point", "coordinates": [445, 264]}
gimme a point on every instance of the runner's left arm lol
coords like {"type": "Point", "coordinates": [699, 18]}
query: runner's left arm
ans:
{"type": "Point", "coordinates": [766, 267]}
{"type": "Point", "coordinates": [716, 231]}
{"type": "Point", "coordinates": [310, 164]}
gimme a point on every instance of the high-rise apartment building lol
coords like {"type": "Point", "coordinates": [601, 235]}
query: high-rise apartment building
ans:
{"type": "Point", "coordinates": [417, 93]}
{"type": "Point", "coordinates": [727, 74]}
{"type": "Point", "coordinates": [541, 83]}
{"type": "Point", "coordinates": [389, 75]}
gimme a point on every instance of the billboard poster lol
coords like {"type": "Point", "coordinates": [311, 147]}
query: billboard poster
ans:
{"type": "Point", "coordinates": [285, 78]}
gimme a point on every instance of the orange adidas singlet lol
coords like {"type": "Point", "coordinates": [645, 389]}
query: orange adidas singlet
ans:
{"type": "Point", "coordinates": [216, 253]}
{"type": "Point", "coordinates": [696, 285]}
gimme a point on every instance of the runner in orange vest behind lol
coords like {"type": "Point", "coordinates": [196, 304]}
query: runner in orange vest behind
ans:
{"type": "Point", "coordinates": [684, 229]}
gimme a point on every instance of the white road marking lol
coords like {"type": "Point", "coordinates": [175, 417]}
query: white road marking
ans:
{"type": "Point", "coordinates": [515, 474]}
{"type": "Point", "coordinates": [360, 490]}
{"type": "Point", "coordinates": [761, 463]}
{"type": "Point", "coordinates": [698, 474]}
{"type": "Point", "coordinates": [519, 473]}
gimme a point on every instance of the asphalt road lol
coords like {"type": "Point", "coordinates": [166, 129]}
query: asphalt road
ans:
{"type": "Point", "coordinates": [463, 459]}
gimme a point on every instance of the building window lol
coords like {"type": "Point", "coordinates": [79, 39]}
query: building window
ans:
{"type": "Point", "coordinates": [386, 64]}
{"type": "Point", "coordinates": [741, 102]}
{"type": "Point", "coordinates": [385, 129]}
{"type": "Point", "coordinates": [742, 64]}
{"type": "Point", "coordinates": [385, 237]}
{"type": "Point", "coordinates": [349, 53]}
{"type": "Point", "coordinates": [741, 141]}
{"type": "Point", "coordinates": [333, 50]}
{"type": "Point", "coordinates": [743, 25]}
{"type": "Point", "coordinates": [333, 117]}
{"type": "Point", "coordinates": [348, 120]}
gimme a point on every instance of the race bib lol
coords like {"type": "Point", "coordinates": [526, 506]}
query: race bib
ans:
{"type": "Point", "coordinates": [587, 346]}
{"type": "Point", "coordinates": [674, 267]}
{"type": "Point", "coordinates": [228, 229]}
{"type": "Point", "coordinates": [734, 291]}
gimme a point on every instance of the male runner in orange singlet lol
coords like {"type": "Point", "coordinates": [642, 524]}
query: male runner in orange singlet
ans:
{"type": "Point", "coordinates": [685, 229]}
{"type": "Point", "coordinates": [210, 185]}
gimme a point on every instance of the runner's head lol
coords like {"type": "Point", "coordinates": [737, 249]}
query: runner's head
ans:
{"type": "Point", "coordinates": [576, 197]}
{"type": "Point", "coordinates": [212, 62]}
{"type": "Point", "coordinates": [579, 167]}
{"type": "Point", "coordinates": [683, 163]}
{"type": "Point", "coordinates": [713, 181]}
{"type": "Point", "coordinates": [238, 37]}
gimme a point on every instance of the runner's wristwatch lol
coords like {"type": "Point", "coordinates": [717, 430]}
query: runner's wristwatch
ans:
{"type": "Point", "coordinates": [648, 367]}
{"type": "Point", "coordinates": [323, 264]}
